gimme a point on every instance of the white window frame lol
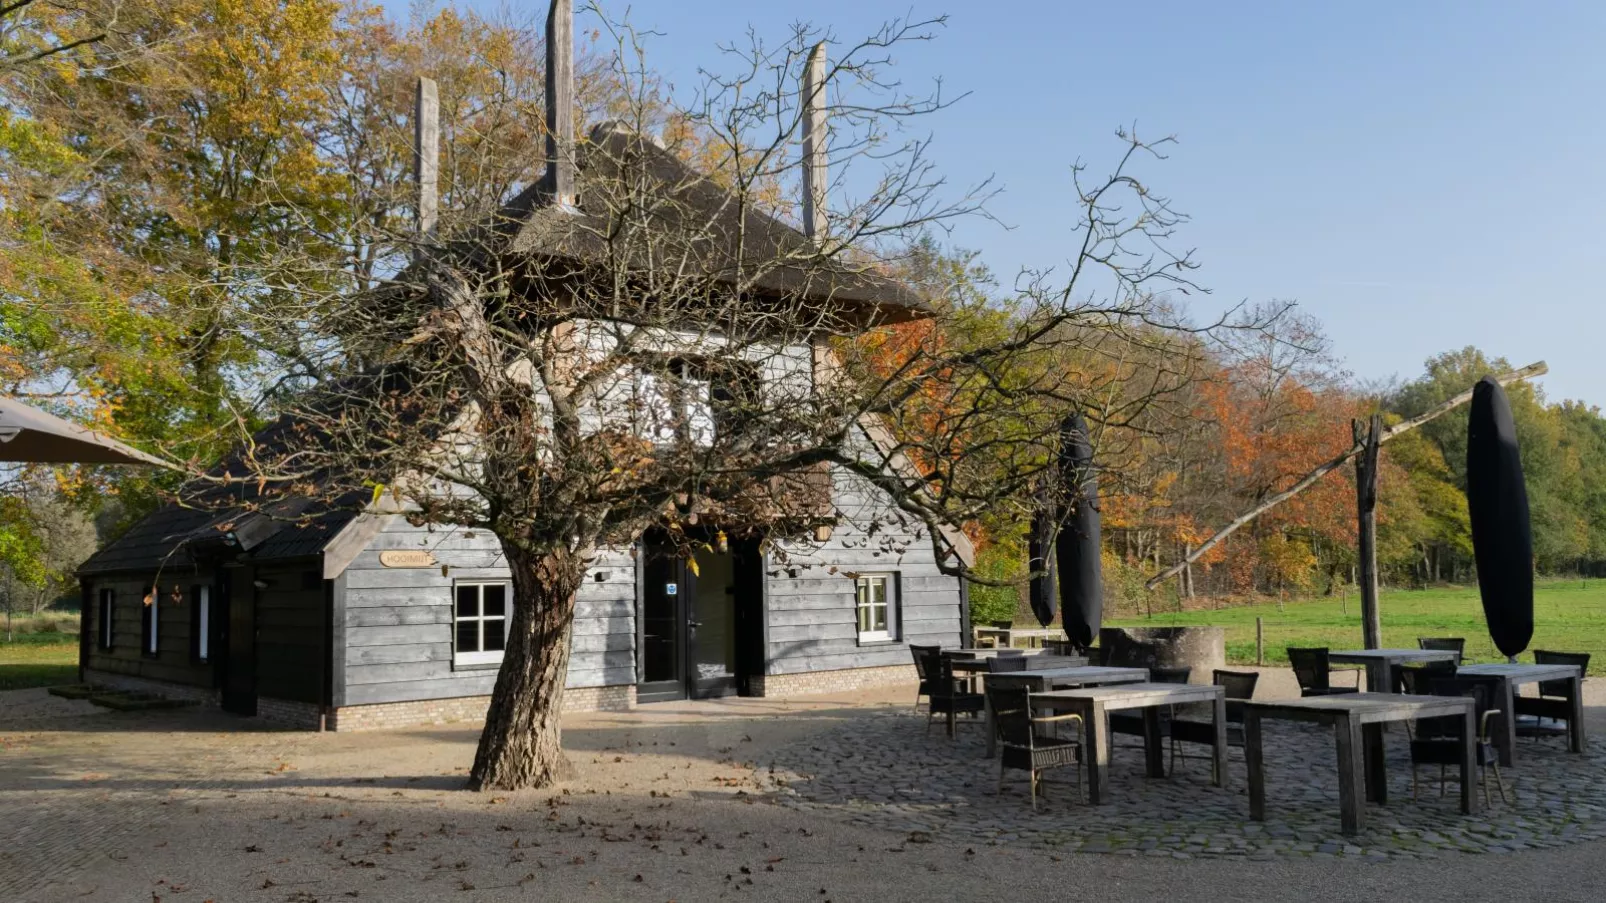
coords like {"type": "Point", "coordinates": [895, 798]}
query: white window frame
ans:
{"type": "Point", "coordinates": [888, 604]}
{"type": "Point", "coordinates": [494, 657]}
{"type": "Point", "coordinates": [203, 603]}
{"type": "Point", "coordinates": [108, 617]}
{"type": "Point", "coordinates": [154, 647]}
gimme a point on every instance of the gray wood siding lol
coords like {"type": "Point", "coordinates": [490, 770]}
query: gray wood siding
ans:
{"type": "Point", "coordinates": [395, 625]}
{"type": "Point", "coordinates": [172, 662]}
{"type": "Point", "coordinates": [290, 625]}
{"type": "Point", "coordinates": [810, 589]}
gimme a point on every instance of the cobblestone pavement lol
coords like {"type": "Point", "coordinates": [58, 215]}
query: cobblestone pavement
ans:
{"type": "Point", "coordinates": [885, 771]}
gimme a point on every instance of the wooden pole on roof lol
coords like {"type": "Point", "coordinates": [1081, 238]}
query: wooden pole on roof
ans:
{"type": "Point", "coordinates": [814, 141]}
{"type": "Point", "coordinates": [426, 156]}
{"type": "Point", "coordinates": [559, 176]}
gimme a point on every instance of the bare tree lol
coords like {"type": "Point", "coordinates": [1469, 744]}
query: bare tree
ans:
{"type": "Point", "coordinates": [635, 343]}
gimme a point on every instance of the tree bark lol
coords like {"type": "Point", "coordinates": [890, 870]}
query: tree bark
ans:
{"type": "Point", "coordinates": [522, 744]}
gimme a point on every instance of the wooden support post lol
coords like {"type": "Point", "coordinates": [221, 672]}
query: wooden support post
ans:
{"type": "Point", "coordinates": [426, 156]}
{"type": "Point", "coordinates": [1369, 438]}
{"type": "Point", "coordinates": [814, 143]}
{"type": "Point", "coordinates": [559, 176]}
{"type": "Point", "coordinates": [1260, 641]}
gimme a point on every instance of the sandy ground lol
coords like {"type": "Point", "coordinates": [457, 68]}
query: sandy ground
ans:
{"type": "Point", "coordinates": [189, 807]}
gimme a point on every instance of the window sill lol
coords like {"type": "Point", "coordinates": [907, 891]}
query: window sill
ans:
{"type": "Point", "coordinates": [880, 641]}
{"type": "Point", "coordinates": [476, 666]}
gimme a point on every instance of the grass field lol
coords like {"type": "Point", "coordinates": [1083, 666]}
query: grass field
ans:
{"type": "Point", "coordinates": [38, 660]}
{"type": "Point", "coordinates": [1569, 615]}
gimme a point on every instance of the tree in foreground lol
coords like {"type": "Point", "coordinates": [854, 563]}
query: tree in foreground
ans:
{"type": "Point", "coordinates": [635, 343]}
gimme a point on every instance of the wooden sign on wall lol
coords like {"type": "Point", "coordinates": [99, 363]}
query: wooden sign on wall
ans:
{"type": "Point", "coordinates": [406, 558]}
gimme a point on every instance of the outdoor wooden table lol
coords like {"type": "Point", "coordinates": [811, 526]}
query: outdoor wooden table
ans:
{"type": "Point", "coordinates": [1357, 720]}
{"type": "Point", "coordinates": [985, 652]}
{"type": "Point", "coordinates": [1381, 663]}
{"type": "Point", "coordinates": [1513, 676]}
{"type": "Point", "coordinates": [1008, 635]}
{"type": "Point", "coordinates": [1095, 703]}
{"type": "Point", "coordinates": [1045, 679]}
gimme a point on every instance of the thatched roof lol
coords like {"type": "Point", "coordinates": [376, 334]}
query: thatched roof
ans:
{"type": "Point", "coordinates": [693, 219]}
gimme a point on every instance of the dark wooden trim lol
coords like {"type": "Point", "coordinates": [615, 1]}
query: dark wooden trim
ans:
{"type": "Point", "coordinates": [88, 624]}
{"type": "Point", "coordinates": [326, 694]}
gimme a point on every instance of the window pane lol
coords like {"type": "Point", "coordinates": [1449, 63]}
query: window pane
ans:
{"type": "Point", "coordinates": [468, 601]}
{"type": "Point", "coordinates": [879, 615]}
{"type": "Point", "coordinates": [878, 590]}
{"type": "Point", "coordinates": [495, 635]}
{"type": "Point", "coordinates": [495, 600]}
{"type": "Point", "coordinates": [468, 636]}
{"type": "Point", "coordinates": [864, 619]}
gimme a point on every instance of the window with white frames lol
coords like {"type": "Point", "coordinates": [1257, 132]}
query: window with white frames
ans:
{"type": "Point", "coordinates": [150, 621]}
{"type": "Point", "coordinates": [481, 623]}
{"type": "Point", "coordinates": [875, 607]}
{"type": "Point", "coordinates": [107, 617]}
{"type": "Point", "coordinates": [203, 623]}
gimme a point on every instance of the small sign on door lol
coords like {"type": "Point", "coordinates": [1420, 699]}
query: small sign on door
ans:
{"type": "Point", "coordinates": [671, 589]}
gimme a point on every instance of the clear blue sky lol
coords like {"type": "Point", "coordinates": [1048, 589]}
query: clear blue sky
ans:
{"type": "Point", "coordinates": [1420, 176]}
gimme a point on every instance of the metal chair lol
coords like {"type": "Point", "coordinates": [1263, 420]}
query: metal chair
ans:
{"type": "Point", "coordinates": [1455, 644]}
{"type": "Point", "coordinates": [1024, 747]}
{"type": "Point", "coordinates": [1239, 686]}
{"type": "Point", "coordinates": [947, 696]}
{"type": "Point", "coordinates": [920, 653]}
{"type": "Point", "coordinates": [1438, 740]}
{"type": "Point", "coordinates": [1314, 673]}
{"type": "Point", "coordinates": [1554, 699]}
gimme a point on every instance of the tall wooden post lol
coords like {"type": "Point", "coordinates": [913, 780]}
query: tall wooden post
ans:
{"type": "Point", "coordinates": [559, 176]}
{"type": "Point", "coordinates": [1369, 438]}
{"type": "Point", "coordinates": [426, 156]}
{"type": "Point", "coordinates": [814, 141]}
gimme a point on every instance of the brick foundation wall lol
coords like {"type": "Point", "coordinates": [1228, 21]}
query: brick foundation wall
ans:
{"type": "Point", "coordinates": [203, 695]}
{"type": "Point", "coordinates": [288, 712]}
{"type": "Point", "coordinates": [417, 713]}
{"type": "Point", "coordinates": [846, 679]}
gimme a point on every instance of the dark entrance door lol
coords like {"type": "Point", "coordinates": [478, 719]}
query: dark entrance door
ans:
{"type": "Point", "coordinates": [661, 625]}
{"type": "Point", "coordinates": [239, 641]}
{"type": "Point", "coordinates": [700, 627]}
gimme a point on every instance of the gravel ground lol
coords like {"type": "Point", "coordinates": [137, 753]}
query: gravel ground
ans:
{"type": "Point", "coordinates": [195, 806]}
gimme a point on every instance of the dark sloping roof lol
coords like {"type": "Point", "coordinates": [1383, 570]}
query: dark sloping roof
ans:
{"type": "Point", "coordinates": [692, 218]}
{"type": "Point", "coordinates": [242, 517]}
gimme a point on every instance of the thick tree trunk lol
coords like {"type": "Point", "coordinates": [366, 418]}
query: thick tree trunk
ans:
{"type": "Point", "coordinates": [522, 745]}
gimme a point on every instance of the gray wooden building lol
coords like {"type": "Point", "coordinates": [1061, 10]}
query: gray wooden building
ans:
{"type": "Point", "coordinates": [357, 618]}
{"type": "Point", "coordinates": [363, 620]}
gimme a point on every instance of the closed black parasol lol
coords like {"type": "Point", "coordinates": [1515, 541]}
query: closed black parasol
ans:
{"type": "Point", "coordinates": [1040, 552]}
{"type": "Point", "coordinates": [1080, 570]}
{"type": "Point", "coordinates": [1497, 505]}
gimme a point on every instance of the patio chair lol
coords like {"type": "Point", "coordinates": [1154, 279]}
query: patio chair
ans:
{"type": "Point", "coordinates": [1551, 704]}
{"type": "Point", "coordinates": [1131, 723]}
{"type": "Point", "coordinates": [1000, 664]}
{"type": "Point", "coordinates": [1438, 740]}
{"type": "Point", "coordinates": [1455, 644]}
{"type": "Point", "coordinates": [920, 653]}
{"type": "Point", "coordinates": [1025, 747]}
{"type": "Point", "coordinates": [1314, 673]}
{"type": "Point", "coordinates": [1239, 685]}
{"type": "Point", "coordinates": [948, 696]}
{"type": "Point", "coordinates": [1418, 681]}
